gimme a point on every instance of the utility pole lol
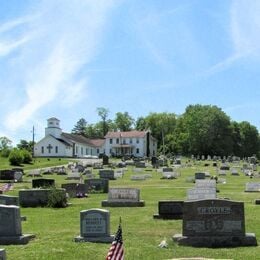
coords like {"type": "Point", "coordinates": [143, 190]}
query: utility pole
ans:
{"type": "Point", "coordinates": [33, 142]}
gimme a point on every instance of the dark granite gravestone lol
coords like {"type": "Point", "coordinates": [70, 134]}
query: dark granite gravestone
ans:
{"type": "Point", "coordinates": [9, 200]}
{"type": "Point", "coordinates": [36, 197]}
{"type": "Point", "coordinates": [214, 223]}
{"type": "Point", "coordinates": [123, 197]}
{"type": "Point", "coordinates": [105, 159]}
{"type": "Point", "coordinates": [140, 164]}
{"type": "Point", "coordinates": [257, 201]}
{"type": "Point", "coordinates": [107, 174]}
{"type": "Point", "coordinates": [252, 187]}
{"type": "Point", "coordinates": [75, 190]}
{"type": "Point", "coordinates": [2, 254]}
{"type": "Point", "coordinates": [95, 226]}
{"type": "Point", "coordinates": [7, 175]}
{"type": "Point", "coordinates": [43, 183]}
{"type": "Point", "coordinates": [97, 185]}
{"type": "Point", "coordinates": [224, 167]}
{"type": "Point", "coordinates": [10, 226]}
{"type": "Point", "coordinates": [200, 175]}
{"type": "Point", "coordinates": [169, 209]}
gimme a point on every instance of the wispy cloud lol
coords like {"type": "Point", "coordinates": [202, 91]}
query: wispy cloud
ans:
{"type": "Point", "coordinates": [58, 39]}
{"type": "Point", "coordinates": [244, 32]}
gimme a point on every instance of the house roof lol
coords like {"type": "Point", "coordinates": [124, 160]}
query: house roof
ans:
{"type": "Point", "coordinates": [127, 134]}
{"type": "Point", "coordinates": [83, 140]}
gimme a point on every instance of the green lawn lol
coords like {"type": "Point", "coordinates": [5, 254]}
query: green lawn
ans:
{"type": "Point", "coordinates": [55, 229]}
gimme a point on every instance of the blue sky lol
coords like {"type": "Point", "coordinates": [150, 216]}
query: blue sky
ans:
{"type": "Point", "coordinates": [65, 58]}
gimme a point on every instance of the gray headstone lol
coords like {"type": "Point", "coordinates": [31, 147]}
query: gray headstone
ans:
{"type": "Point", "coordinates": [97, 185]}
{"type": "Point", "coordinates": [75, 189]}
{"type": "Point", "coordinates": [253, 187]}
{"type": "Point", "coordinates": [205, 184]}
{"type": "Point", "coordinates": [2, 254]}
{"type": "Point", "coordinates": [107, 174]}
{"type": "Point", "coordinates": [95, 226]}
{"type": "Point", "coordinates": [123, 197]}
{"type": "Point", "coordinates": [201, 193]}
{"type": "Point", "coordinates": [214, 223]}
{"type": "Point", "coordinates": [9, 200]}
{"type": "Point", "coordinates": [10, 226]}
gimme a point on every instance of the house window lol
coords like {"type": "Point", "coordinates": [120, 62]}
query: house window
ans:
{"type": "Point", "coordinates": [124, 142]}
{"type": "Point", "coordinates": [137, 140]}
{"type": "Point", "coordinates": [137, 150]}
{"type": "Point", "coordinates": [77, 149]}
{"type": "Point", "coordinates": [130, 141]}
{"type": "Point", "coordinates": [111, 141]}
{"type": "Point", "coordinates": [42, 149]}
{"type": "Point", "coordinates": [117, 140]}
{"type": "Point", "coordinates": [56, 149]}
{"type": "Point", "coordinates": [81, 150]}
{"type": "Point", "coordinates": [97, 151]}
{"type": "Point", "coordinates": [86, 150]}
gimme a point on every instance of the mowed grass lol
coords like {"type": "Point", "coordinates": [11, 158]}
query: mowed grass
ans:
{"type": "Point", "coordinates": [55, 229]}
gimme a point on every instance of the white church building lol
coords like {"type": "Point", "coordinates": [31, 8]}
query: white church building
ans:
{"type": "Point", "coordinates": [59, 144]}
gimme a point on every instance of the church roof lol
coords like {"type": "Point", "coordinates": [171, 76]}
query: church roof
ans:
{"type": "Point", "coordinates": [127, 134]}
{"type": "Point", "coordinates": [83, 140]}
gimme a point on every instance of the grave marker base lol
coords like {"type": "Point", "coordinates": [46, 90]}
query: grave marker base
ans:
{"type": "Point", "coordinates": [108, 239]}
{"type": "Point", "coordinates": [106, 203]}
{"type": "Point", "coordinates": [216, 242]}
{"type": "Point", "coordinates": [16, 240]}
{"type": "Point", "coordinates": [170, 216]}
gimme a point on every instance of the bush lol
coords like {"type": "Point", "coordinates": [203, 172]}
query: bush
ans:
{"type": "Point", "coordinates": [5, 152]}
{"type": "Point", "coordinates": [27, 157]}
{"type": "Point", "coordinates": [57, 198]}
{"type": "Point", "coordinates": [16, 157]}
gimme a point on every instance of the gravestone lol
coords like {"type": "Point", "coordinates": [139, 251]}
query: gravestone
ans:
{"type": "Point", "coordinates": [97, 185]}
{"type": "Point", "coordinates": [200, 175]}
{"type": "Point", "coordinates": [95, 226]}
{"type": "Point", "coordinates": [139, 177]}
{"type": "Point", "coordinates": [205, 184]}
{"type": "Point", "coordinates": [35, 173]}
{"type": "Point", "coordinates": [18, 176]}
{"type": "Point", "coordinates": [234, 172]}
{"type": "Point", "coordinates": [9, 200]}
{"type": "Point", "coordinates": [74, 175]}
{"type": "Point", "coordinates": [43, 183]}
{"type": "Point", "coordinates": [107, 174]}
{"type": "Point", "coordinates": [75, 190]}
{"type": "Point", "coordinates": [105, 159]}
{"type": "Point", "coordinates": [170, 175]}
{"type": "Point", "coordinates": [2, 254]}
{"type": "Point", "coordinates": [169, 209]}
{"type": "Point", "coordinates": [123, 197]}
{"type": "Point", "coordinates": [224, 167]}
{"type": "Point", "coordinates": [252, 187]}
{"type": "Point", "coordinates": [10, 226]}
{"type": "Point", "coordinates": [36, 197]}
{"type": "Point", "coordinates": [201, 193]}
{"type": "Point", "coordinates": [7, 175]}
{"type": "Point", "coordinates": [214, 223]}
{"type": "Point", "coordinates": [140, 164]}
{"type": "Point", "coordinates": [167, 169]}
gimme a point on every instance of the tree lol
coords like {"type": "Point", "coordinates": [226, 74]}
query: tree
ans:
{"type": "Point", "coordinates": [5, 146]}
{"type": "Point", "coordinates": [208, 130]}
{"type": "Point", "coordinates": [26, 145]}
{"type": "Point", "coordinates": [103, 113]}
{"type": "Point", "coordinates": [123, 121]}
{"type": "Point", "coordinates": [80, 127]}
{"type": "Point", "coordinates": [141, 124]}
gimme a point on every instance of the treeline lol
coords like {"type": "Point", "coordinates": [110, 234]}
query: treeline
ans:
{"type": "Point", "coordinates": [200, 130]}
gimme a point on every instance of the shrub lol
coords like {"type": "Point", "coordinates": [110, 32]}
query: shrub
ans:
{"type": "Point", "coordinates": [15, 157]}
{"type": "Point", "coordinates": [57, 198]}
{"type": "Point", "coordinates": [27, 157]}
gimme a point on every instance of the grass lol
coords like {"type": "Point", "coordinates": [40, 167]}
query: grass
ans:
{"type": "Point", "coordinates": [55, 229]}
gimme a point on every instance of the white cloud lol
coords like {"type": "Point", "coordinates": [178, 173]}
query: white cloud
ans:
{"type": "Point", "coordinates": [244, 32]}
{"type": "Point", "coordinates": [64, 36]}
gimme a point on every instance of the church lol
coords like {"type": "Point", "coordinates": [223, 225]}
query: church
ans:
{"type": "Point", "coordinates": [59, 144]}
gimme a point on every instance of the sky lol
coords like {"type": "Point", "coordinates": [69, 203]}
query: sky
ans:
{"type": "Point", "coordinates": [66, 58]}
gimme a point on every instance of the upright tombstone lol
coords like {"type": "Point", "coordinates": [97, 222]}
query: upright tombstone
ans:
{"type": "Point", "coordinates": [201, 193]}
{"type": "Point", "coordinates": [107, 174]}
{"type": "Point", "coordinates": [10, 226]}
{"type": "Point", "coordinates": [97, 185]}
{"type": "Point", "coordinates": [75, 190]}
{"type": "Point", "coordinates": [214, 223]}
{"type": "Point", "coordinates": [2, 254]}
{"type": "Point", "coordinates": [7, 175]}
{"type": "Point", "coordinates": [200, 176]}
{"type": "Point", "coordinates": [123, 197]}
{"type": "Point", "coordinates": [252, 187]}
{"type": "Point", "coordinates": [43, 183]}
{"type": "Point", "coordinates": [169, 209]}
{"type": "Point", "coordinates": [105, 159]}
{"type": "Point", "coordinates": [9, 200]}
{"type": "Point", "coordinates": [94, 226]}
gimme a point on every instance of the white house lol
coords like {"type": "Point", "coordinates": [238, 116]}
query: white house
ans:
{"type": "Point", "coordinates": [59, 144]}
{"type": "Point", "coordinates": [136, 143]}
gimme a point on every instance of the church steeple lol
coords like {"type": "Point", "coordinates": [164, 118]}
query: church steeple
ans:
{"type": "Point", "coordinates": [53, 127]}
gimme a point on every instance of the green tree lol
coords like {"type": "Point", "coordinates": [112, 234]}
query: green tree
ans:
{"type": "Point", "coordinates": [26, 145]}
{"type": "Point", "coordinates": [103, 113]}
{"type": "Point", "coordinates": [208, 130]}
{"type": "Point", "coordinates": [80, 127]}
{"type": "Point", "coordinates": [5, 146]}
{"type": "Point", "coordinates": [123, 121]}
{"type": "Point", "coordinates": [16, 157]}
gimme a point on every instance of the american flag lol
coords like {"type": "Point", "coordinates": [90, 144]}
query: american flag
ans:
{"type": "Point", "coordinates": [116, 251]}
{"type": "Point", "coordinates": [6, 187]}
